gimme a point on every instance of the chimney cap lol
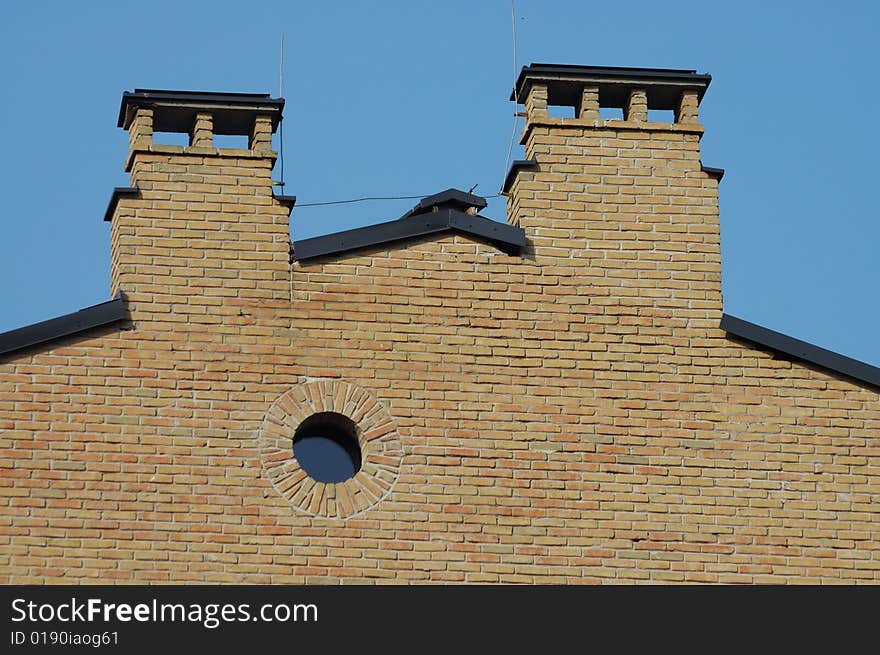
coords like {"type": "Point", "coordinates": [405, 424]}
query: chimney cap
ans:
{"type": "Point", "coordinates": [564, 83]}
{"type": "Point", "coordinates": [174, 111]}
{"type": "Point", "coordinates": [449, 199]}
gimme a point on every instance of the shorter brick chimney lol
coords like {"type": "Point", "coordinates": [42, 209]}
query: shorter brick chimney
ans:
{"type": "Point", "coordinates": [198, 221]}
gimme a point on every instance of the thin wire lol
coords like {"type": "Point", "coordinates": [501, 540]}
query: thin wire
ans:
{"type": "Point", "coordinates": [366, 198]}
{"type": "Point", "coordinates": [375, 198]}
{"type": "Point", "coordinates": [515, 117]}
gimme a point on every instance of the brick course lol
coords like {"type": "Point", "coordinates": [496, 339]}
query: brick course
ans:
{"type": "Point", "coordinates": [570, 414]}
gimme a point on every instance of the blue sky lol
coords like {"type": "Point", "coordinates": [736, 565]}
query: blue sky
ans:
{"type": "Point", "coordinates": [410, 97]}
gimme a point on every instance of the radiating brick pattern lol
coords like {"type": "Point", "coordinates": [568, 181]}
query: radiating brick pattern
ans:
{"type": "Point", "coordinates": [573, 414]}
{"type": "Point", "coordinates": [380, 446]}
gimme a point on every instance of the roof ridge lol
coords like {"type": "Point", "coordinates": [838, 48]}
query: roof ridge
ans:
{"type": "Point", "coordinates": [507, 238]}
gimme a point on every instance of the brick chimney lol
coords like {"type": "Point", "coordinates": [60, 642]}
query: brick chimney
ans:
{"type": "Point", "coordinates": [199, 230]}
{"type": "Point", "coordinates": [626, 202]}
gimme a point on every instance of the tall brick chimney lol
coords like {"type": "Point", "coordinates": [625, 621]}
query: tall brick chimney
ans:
{"type": "Point", "coordinates": [198, 221]}
{"type": "Point", "coordinates": [625, 202]}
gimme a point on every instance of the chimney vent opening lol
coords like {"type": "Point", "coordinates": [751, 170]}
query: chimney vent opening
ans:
{"type": "Point", "coordinates": [661, 115]}
{"type": "Point", "coordinates": [561, 111]}
{"type": "Point", "coordinates": [237, 141]}
{"type": "Point", "coordinates": [171, 139]}
{"type": "Point", "coordinates": [611, 113]}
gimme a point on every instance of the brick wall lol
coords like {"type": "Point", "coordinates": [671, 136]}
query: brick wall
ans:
{"type": "Point", "coordinates": [571, 414]}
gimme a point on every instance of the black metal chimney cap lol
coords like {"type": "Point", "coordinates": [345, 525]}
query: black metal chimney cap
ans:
{"type": "Point", "coordinates": [175, 111]}
{"type": "Point", "coordinates": [565, 81]}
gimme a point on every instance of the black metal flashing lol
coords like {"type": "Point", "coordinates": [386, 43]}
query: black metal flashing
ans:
{"type": "Point", "coordinates": [515, 168]}
{"type": "Point", "coordinates": [449, 199]}
{"type": "Point", "coordinates": [287, 201]}
{"type": "Point", "coordinates": [565, 82]}
{"type": "Point", "coordinates": [801, 350]}
{"type": "Point", "coordinates": [717, 172]}
{"type": "Point", "coordinates": [174, 111]}
{"type": "Point", "coordinates": [119, 192]}
{"type": "Point", "coordinates": [104, 313]}
{"type": "Point", "coordinates": [506, 237]}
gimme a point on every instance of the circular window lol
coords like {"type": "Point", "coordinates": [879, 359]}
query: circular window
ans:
{"type": "Point", "coordinates": [330, 449]}
{"type": "Point", "coordinates": [326, 446]}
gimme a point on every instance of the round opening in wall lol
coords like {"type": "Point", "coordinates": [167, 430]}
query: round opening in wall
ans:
{"type": "Point", "coordinates": [326, 447]}
{"type": "Point", "coordinates": [355, 451]}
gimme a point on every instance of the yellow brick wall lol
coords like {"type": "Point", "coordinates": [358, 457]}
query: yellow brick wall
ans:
{"type": "Point", "coordinates": [573, 414]}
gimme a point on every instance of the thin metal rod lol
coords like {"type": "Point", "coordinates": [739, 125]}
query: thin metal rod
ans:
{"type": "Point", "coordinates": [281, 95]}
{"type": "Point", "coordinates": [281, 69]}
{"type": "Point", "coordinates": [515, 116]}
{"type": "Point", "coordinates": [513, 19]}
